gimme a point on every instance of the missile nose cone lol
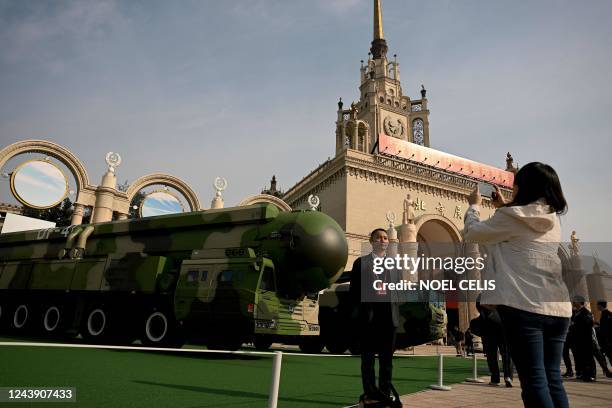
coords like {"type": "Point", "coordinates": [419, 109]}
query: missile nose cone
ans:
{"type": "Point", "coordinates": [323, 243]}
{"type": "Point", "coordinates": [331, 251]}
{"type": "Point", "coordinates": [312, 252]}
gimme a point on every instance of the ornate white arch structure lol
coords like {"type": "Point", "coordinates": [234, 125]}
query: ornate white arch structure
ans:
{"type": "Point", "coordinates": [168, 180]}
{"type": "Point", "coordinates": [266, 198]}
{"type": "Point", "coordinates": [62, 154]}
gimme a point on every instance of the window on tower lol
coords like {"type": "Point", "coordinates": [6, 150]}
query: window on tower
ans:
{"type": "Point", "coordinates": [418, 136]}
{"type": "Point", "coordinates": [361, 137]}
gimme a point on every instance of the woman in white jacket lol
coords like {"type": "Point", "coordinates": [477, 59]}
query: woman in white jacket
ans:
{"type": "Point", "coordinates": [521, 241]}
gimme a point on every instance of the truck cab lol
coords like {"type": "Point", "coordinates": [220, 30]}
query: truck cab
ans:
{"type": "Point", "coordinates": [229, 296]}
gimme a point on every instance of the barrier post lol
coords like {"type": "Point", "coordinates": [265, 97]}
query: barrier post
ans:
{"type": "Point", "coordinates": [440, 385]}
{"type": "Point", "coordinates": [474, 378]}
{"type": "Point", "coordinates": [275, 384]}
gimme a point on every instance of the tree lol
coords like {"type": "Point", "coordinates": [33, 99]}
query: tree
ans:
{"type": "Point", "coordinates": [61, 214]}
{"type": "Point", "coordinates": [136, 201]}
{"type": "Point", "coordinates": [135, 205]}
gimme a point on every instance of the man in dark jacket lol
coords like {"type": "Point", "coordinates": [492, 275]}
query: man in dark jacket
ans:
{"type": "Point", "coordinates": [605, 330]}
{"type": "Point", "coordinates": [377, 318]}
{"type": "Point", "coordinates": [583, 340]}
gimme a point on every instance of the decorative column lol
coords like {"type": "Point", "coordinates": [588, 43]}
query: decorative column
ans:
{"type": "Point", "coordinates": [105, 193]}
{"type": "Point", "coordinates": [575, 276]}
{"type": "Point", "coordinates": [77, 214]}
{"type": "Point", "coordinates": [597, 282]}
{"type": "Point", "coordinates": [219, 185]}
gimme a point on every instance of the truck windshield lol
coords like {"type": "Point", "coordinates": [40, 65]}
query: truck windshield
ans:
{"type": "Point", "coordinates": [267, 279]}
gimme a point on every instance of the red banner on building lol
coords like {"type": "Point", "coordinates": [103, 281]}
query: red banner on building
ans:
{"type": "Point", "coordinates": [392, 146]}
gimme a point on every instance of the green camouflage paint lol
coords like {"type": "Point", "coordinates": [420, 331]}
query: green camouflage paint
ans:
{"type": "Point", "coordinates": [133, 270]}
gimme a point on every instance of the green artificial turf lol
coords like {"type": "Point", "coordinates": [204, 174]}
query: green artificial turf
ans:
{"type": "Point", "coordinates": [121, 378]}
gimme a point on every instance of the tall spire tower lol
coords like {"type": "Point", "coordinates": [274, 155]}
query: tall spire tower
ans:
{"type": "Point", "coordinates": [379, 45]}
{"type": "Point", "coordinates": [382, 107]}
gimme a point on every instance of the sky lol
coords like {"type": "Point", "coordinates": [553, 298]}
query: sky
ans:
{"type": "Point", "coordinates": [245, 89]}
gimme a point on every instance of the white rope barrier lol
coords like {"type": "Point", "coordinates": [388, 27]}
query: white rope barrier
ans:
{"type": "Point", "coordinates": [184, 350]}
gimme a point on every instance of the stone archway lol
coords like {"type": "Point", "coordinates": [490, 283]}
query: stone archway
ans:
{"type": "Point", "coordinates": [438, 236]}
{"type": "Point", "coordinates": [86, 193]}
{"type": "Point", "coordinates": [266, 198]}
{"type": "Point", "coordinates": [54, 150]}
{"type": "Point", "coordinates": [447, 225]}
{"type": "Point", "coordinates": [165, 179]}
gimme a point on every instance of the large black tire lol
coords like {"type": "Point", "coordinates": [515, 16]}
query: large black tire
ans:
{"type": "Point", "coordinates": [4, 321]}
{"type": "Point", "coordinates": [21, 318]}
{"type": "Point", "coordinates": [100, 324]}
{"type": "Point", "coordinates": [311, 344]}
{"type": "Point", "coordinates": [159, 329]}
{"type": "Point", "coordinates": [262, 342]}
{"type": "Point", "coordinates": [95, 327]}
{"type": "Point", "coordinates": [336, 346]}
{"type": "Point", "coordinates": [53, 321]}
{"type": "Point", "coordinates": [229, 341]}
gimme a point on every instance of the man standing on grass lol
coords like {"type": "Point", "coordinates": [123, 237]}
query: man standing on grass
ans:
{"type": "Point", "coordinates": [377, 318]}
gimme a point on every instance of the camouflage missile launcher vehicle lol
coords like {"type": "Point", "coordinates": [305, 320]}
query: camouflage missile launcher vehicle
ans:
{"type": "Point", "coordinates": [220, 277]}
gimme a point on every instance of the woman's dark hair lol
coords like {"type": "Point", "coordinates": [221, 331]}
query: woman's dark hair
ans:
{"type": "Point", "coordinates": [538, 180]}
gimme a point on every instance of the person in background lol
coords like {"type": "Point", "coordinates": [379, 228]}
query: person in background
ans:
{"type": "Point", "coordinates": [459, 341]}
{"type": "Point", "coordinates": [521, 241]}
{"type": "Point", "coordinates": [605, 329]}
{"type": "Point", "coordinates": [583, 337]}
{"type": "Point", "coordinates": [469, 342]}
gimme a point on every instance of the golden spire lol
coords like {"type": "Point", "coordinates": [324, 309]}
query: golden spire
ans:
{"type": "Point", "coordinates": [378, 29]}
{"type": "Point", "coordinates": [379, 45]}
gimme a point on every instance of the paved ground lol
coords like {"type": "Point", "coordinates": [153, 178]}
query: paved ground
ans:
{"type": "Point", "coordinates": [581, 395]}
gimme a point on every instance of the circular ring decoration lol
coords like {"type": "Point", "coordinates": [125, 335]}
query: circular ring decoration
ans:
{"type": "Point", "coordinates": [220, 183]}
{"type": "Point", "coordinates": [113, 159]}
{"type": "Point", "coordinates": [313, 201]}
{"type": "Point", "coordinates": [160, 202]}
{"type": "Point", "coordinates": [39, 184]}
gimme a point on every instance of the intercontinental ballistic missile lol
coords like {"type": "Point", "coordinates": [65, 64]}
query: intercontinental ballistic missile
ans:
{"type": "Point", "coordinates": [218, 276]}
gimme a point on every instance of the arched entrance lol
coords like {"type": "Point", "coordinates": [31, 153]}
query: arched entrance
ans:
{"type": "Point", "coordinates": [437, 236]}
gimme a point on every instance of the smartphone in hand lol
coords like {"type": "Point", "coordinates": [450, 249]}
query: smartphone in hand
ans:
{"type": "Point", "coordinates": [487, 190]}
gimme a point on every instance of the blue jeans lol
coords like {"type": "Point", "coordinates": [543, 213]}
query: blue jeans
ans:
{"type": "Point", "coordinates": [536, 346]}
